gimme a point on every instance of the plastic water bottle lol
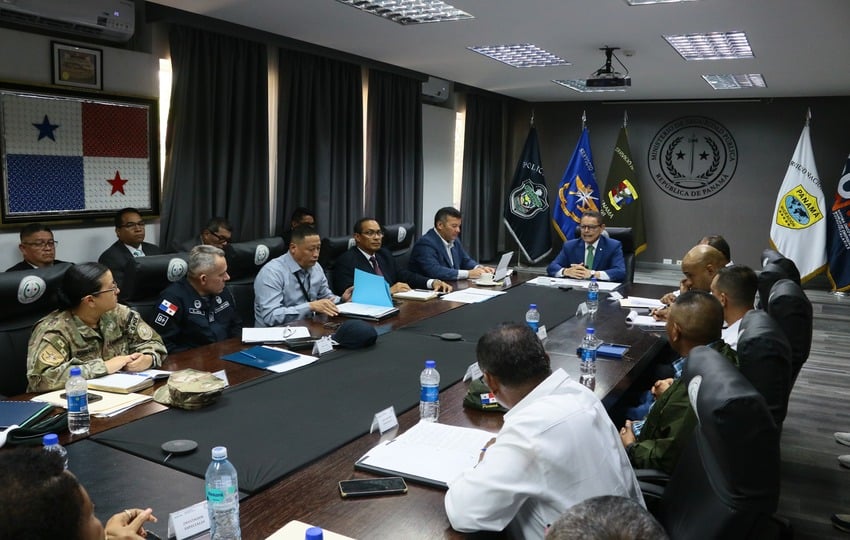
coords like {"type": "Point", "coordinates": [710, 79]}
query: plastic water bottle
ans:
{"type": "Point", "coordinates": [314, 533]}
{"type": "Point", "coordinates": [532, 317]}
{"type": "Point", "coordinates": [593, 296]}
{"type": "Point", "coordinates": [51, 444]}
{"type": "Point", "coordinates": [588, 358]}
{"type": "Point", "coordinates": [76, 389]}
{"type": "Point", "coordinates": [429, 396]}
{"type": "Point", "coordinates": [222, 489]}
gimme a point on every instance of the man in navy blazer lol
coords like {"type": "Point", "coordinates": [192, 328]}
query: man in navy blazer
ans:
{"type": "Point", "coordinates": [368, 237]}
{"type": "Point", "coordinates": [575, 261]}
{"type": "Point", "coordinates": [439, 253]}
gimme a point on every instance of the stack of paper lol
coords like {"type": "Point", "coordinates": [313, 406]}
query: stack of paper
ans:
{"type": "Point", "coordinates": [121, 382]}
{"type": "Point", "coordinates": [108, 405]}
{"type": "Point", "coordinates": [471, 296]}
{"type": "Point", "coordinates": [640, 302]}
{"type": "Point", "coordinates": [574, 283]}
{"type": "Point", "coordinates": [276, 334]}
{"type": "Point", "coordinates": [416, 294]}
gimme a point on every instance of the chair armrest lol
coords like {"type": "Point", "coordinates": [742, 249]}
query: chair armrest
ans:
{"type": "Point", "coordinates": [652, 476]}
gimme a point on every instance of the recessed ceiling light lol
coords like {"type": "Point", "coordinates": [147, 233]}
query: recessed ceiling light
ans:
{"type": "Point", "coordinates": [521, 55]}
{"type": "Point", "coordinates": [579, 86]}
{"type": "Point", "coordinates": [732, 82]}
{"type": "Point", "coordinates": [410, 11]}
{"type": "Point", "coordinates": [711, 46]}
{"type": "Point", "coordinates": [647, 2]}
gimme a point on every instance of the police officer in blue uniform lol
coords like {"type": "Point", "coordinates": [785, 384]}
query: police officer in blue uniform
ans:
{"type": "Point", "coordinates": [198, 309]}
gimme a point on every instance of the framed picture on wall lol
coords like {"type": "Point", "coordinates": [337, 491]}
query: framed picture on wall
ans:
{"type": "Point", "coordinates": [67, 156]}
{"type": "Point", "coordinates": [80, 67]}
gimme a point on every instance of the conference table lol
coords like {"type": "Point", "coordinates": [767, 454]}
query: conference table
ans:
{"type": "Point", "coordinates": [120, 464]}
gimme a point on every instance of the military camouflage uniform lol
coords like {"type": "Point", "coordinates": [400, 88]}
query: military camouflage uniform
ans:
{"type": "Point", "coordinates": [61, 340]}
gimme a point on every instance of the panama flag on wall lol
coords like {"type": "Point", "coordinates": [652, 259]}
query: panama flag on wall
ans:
{"type": "Point", "coordinates": [578, 191]}
{"type": "Point", "coordinates": [69, 155]}
{"type": "Point", "coordinates": [798, 227]}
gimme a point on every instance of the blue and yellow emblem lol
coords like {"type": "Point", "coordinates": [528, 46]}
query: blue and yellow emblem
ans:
{"type": "Point", "coordinates": [798, 210]}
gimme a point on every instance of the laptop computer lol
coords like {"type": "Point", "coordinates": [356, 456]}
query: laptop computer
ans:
{"type": "Point", "coordinates": [502, 268]}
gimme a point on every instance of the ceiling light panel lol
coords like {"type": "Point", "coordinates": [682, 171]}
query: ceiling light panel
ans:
{"type": "Point", "coordinates": [521, 55]}
{"type": "Point", "coordinates": [410, 11]}
{"type": "Point", "coordinates": [647, 2]}
{"type": "Point", "coordinates": [734, 82]}
{"type": "Point", "coordinates": [711, 46]}
{"type": "Point", "coordinates": [579, 85]}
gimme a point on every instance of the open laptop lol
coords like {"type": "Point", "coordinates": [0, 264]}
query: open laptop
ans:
{"type": "Point", "coordinates": [502, 269]}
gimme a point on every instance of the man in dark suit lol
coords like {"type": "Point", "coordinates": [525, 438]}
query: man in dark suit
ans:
{"type": "Point", "coordinates": [592, 255]}
{"type": "Point", "coordinates": [368, 255]}
{"type": "Point", "coordinates": [218, 232]}
{"type": "Point", "coordinates": [37, 246]}
{"type": "Point", "coordinates": [439, 253]}
{"type": "Point", "coordinates": [130, 229]}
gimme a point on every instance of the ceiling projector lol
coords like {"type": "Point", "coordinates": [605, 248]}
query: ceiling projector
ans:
{"type": "Point", "coordinates": [606, 76]}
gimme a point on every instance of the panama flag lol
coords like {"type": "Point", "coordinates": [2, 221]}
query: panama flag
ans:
{"type": "Point", "coordinates": [578, 192]}
{"type": "Point", "coordinates": [798, 227]}
{"type": "Point", "coordinates": [72, 155]}
{"type": "Point", "coordinates": [838, 234]}
{"type": "Point", "coordinates": [168, 307]}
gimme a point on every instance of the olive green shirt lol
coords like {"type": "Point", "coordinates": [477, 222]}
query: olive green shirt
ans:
{"type": "Point", "coordinates": [61, 340]}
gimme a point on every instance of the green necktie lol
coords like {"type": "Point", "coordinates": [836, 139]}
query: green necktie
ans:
{"type": "Point", "coordinates": [588, 260]}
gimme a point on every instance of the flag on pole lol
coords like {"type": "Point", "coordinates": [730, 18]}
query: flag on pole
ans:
{"type": "Point", "coordinates": [578, 192]}
{"type": "Point", "coordinates": [526, 213]}
{"type": "Point", "coordinates": [621, 205]}
{"type": "Point", "coordinates": [838, 234]}
{"type": "Point", "coordinates": [798, 228]}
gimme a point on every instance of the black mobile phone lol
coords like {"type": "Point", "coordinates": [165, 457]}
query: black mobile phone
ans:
{"type": "Point", "coordinates": [366, 487]}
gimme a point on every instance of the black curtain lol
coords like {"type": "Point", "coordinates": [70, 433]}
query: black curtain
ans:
{"type": "Point", "coordinates": [217, 160]}
{"type": "Point", "coordinates": [320, 146]}
{"type": "Point", "coordinates": [394, 162]}
{"type": "Point", "coordinates": [483, 172]}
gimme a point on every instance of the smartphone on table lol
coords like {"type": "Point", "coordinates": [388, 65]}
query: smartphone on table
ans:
{"type": "Point", "coordinates": [368, 487]}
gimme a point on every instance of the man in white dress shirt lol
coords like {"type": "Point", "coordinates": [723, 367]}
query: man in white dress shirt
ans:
{"type": "Point", "coordinates": [735, 286]}
{"type": "Point", "coordinates": [557, 446]}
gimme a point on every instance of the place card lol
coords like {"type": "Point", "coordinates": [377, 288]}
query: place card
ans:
{"type": "Point", "coordinates": [323, 345]}
{"type": "Point", "coordinates": [541, 332]}
{"type": "Point", "coordinates": [473, 372]}
{"type": "Point", "coordinates": [384, 420]}
{"type": "Point", "coordinates": [189, 521]}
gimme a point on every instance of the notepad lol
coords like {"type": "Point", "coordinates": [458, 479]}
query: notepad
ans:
{"type": "Point", "coordinates": [110, 404]}
{"type": "Point", "coordinates": [21, 413]}
{"type": "Point", "coordinates": [420, 296]}
{"type": "Point", "coordinates": [121, 383]}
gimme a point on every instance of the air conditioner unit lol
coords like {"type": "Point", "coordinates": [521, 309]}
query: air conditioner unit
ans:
{"type": "Point", "coordinates": [112, 20]}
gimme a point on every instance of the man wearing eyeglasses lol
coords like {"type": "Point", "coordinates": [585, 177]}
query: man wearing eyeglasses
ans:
{"type": "Point", "coordinates": [37, 247]}
{"type": "Point", "coordinates": [218, 232]}
{"type": "Point", "coordinates": [369, 255]}
{"type": "Point", "coordinates": [591, 255]}
{"type": "Point", "coordinates": [130, 229]}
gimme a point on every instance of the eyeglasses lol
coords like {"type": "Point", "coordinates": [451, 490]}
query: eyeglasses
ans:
{"type": "Point", "coordinates": [41, 244]}
{"type": "Point", "coordinates": [111, 289]}
{"type": "Point", "coordinates": [589, 227]}
{"type": "Point", "coordinates": [373, 234]}
{"type": "Point", "coordinates": [133, 225]}
{"type": "Point", "coordinates": [220, 238]}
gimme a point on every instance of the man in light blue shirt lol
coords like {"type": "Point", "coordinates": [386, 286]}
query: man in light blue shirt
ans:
{"type": "Point", "coordinates": [293, 286]}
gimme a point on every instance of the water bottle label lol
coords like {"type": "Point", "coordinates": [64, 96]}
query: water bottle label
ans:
{"type": "Point", "coordinates": [78, 404]}
{"type": "Point", "coordinates": [588, 355]}
{"type": "Point", "coordinates": [217, 495]}
{"type": "Point", "coordinates": [533, 325]}
{"type": "Point", "coordinates": [593, 296]}
{"type": "Point", "coordinates": [429, 393]}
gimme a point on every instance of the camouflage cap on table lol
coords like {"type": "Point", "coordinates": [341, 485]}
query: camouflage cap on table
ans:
{"type": "Point", "coordinates": [190, 389]}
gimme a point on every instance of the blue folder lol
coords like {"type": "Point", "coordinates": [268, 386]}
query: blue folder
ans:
{"type": "Point", "coordinates": [260, 357]}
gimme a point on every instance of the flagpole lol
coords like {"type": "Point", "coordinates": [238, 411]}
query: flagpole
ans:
{"type": "Point", "coordinates": [625, 118]}
{"type": "Point", "coordinates": [532, 118]}
{"type": "Point", "coordinates": [583, 120]}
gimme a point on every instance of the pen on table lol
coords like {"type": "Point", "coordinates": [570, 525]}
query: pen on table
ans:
{"type": "Point", "coordinates": [617, 345]}
{"type": "Point", "coordinates": [249, 355]}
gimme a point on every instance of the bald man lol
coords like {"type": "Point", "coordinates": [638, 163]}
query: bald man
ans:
{"type": "Point", "coordinates": [735, 287]}
{"type": "Point", "coordinates": [699, 265]}
{"type": "Point", "coordinates": [695, 318]}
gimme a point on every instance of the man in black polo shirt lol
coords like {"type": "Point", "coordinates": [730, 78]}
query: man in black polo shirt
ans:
{"type": "Point", "coordinates": [198, 309]}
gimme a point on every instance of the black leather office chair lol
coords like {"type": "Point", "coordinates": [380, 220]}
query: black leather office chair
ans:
{"type": "Point", "coordinates": [146, 277]}
{"type": "Point", "coordinates": [27, 296]}
{"type": "Point", "coordinates": [398, 238]}
{"type": "Point", "coordinates": [332, 248]}
{"type": "Point", "coordinates": [789, 306]}
{"type": "Point", "coordinates": [244, 259]}
{"type": "Point", "coordinates": [773, 271]}
{"type": "Point", "coordinates": [726, 484]}
{"type": "Point", "coordinates": [624, 236]}
{"type": "Point", "coordinates": [764, 356]}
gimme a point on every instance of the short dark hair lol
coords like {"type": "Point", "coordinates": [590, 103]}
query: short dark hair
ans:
{"type": "Point", "coordinates": [606, 518]}
{"type": "Point", "coordinates": [445, 213]}
{"type": "Point", "coordinates": [358, 225]}
{"type": "Point", "coordinates": [79, 281]}
{"type": "Point", "coordinates": [33, 228]}
{"type": "Point", "coordinates": [38, 499]}
{"type": "Point", "coordinates": [513, 353]}
{"type": "Point", "coordinates": [299, 213]}
{"type": "Point", "coordinates": [740, 284]}
{"type": "Point", "coordinates": [119, 216]}
{"type": "Point", "coordinates": [699, 315]}
{"type": "Point", "coordinates": [719, 243]}
{"type": "Point", "coordinates": [594, 214]}
{"type": "Point", "coordinates": [301, 232]}
{"type": "Point", "coordinates": [217, 223]}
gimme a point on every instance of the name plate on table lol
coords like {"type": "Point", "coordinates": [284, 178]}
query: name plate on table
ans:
{"type": "Point", "coordinates": [188, 522]}
{"type": "Point", "coordinates": [384, 420]}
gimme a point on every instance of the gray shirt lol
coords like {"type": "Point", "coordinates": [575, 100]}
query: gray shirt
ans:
{"type": "Point", "coordinates": [278, 295]}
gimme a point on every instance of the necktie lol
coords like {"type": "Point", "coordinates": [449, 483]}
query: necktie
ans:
{"type": "Point", "coordinates": [375, 265]}
{"type": "Point", "coordinates": [588, 260]}
{"type": "Point", "coordinates": [138, 253]}
{"type": "Point", "coordinates": [449, 252]}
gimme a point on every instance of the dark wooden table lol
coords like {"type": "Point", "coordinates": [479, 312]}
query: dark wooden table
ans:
{"type": "Point", "coordinates": [310, 494]}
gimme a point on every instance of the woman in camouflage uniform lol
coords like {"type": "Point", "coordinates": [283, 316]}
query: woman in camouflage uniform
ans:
{"type": "Point", "coordinates": [93, 331]}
